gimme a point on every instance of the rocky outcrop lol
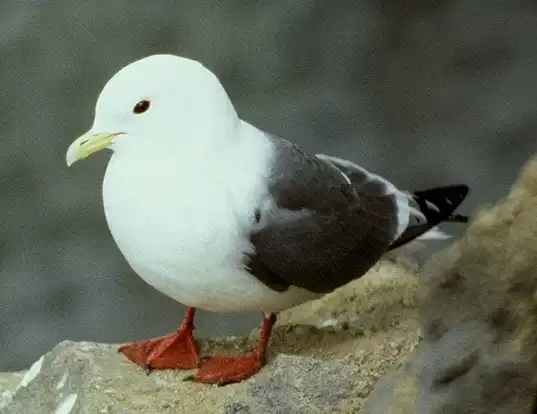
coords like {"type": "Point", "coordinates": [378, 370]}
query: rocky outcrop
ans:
{"type": "Point", "coordinates": [325, 357]}
{"type": "Point", "coordinates": [478, 319]}
{"type": "Point", "coordinates": [478, 353]}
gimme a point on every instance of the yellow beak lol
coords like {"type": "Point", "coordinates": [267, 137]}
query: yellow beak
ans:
{"type": "Point", "coordinates": [87, 144]}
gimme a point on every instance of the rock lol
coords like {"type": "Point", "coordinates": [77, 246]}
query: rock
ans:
{"type": "Point", "coordinates": [89, 377]}
{"type": "Point", "coordinates": [8, 384]}
{"type": "Point", "coordinates": [395, 392]}
{"type": "Point", "coordinates": [325, 356]}
{"type": "Point", "coordinates": [478, 318]}
{"type": "Point", "coordinates": [322, 386]}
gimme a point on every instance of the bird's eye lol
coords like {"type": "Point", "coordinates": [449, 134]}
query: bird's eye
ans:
{"type": "Point", "coordinates": [141, 107]}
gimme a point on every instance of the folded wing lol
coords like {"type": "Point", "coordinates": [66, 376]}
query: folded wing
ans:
{"type": "Point", "coordinates": [318, 229]}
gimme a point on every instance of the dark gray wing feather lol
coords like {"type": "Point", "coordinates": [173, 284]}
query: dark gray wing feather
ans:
{"type": "Point", "coordinates": [321, 232]}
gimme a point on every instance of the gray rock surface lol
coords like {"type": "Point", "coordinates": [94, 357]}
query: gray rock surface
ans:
{"type": "Point", "coordinates": [9, 381]}
{"type": "Point", "coordinates": [328, 364]}
{"type": "Point", "coordinates": [478, 319]}
{"type": "Point", "coordinates": [88, 377]}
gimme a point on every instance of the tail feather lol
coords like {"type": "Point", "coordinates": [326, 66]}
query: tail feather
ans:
{"type": "Point", "coordinates": [433, 234]}
{"type": "Point", "coordinates": [434, 206]}
{"type": "Point", "coordinates": [458, 218]}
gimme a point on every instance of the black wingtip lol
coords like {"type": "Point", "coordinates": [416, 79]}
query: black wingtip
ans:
{"type": "Point", "coordinates": [454, 193]}
{"type": "Point", "coordinates": [445, 201]}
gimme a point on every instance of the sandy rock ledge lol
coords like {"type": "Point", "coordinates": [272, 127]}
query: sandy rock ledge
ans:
{"type": "Point", "coordinates": [478, 319]}
{"type": "Point", "coordinates": [325, 357]}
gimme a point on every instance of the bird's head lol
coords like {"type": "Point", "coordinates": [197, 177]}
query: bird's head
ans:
{"type": "Point", "coordinates": [162, 99]}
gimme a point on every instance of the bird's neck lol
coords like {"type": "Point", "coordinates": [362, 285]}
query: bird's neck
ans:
{"type": "Point", "coordinates": [212, 131]}
{"type": "Point", "coordinates": [213, 122]}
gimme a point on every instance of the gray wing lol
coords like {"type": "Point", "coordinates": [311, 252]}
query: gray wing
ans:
{"type": "Point", "coordinates": [321, 230]}
{"type": "Point", "coordinates": [361, 178]}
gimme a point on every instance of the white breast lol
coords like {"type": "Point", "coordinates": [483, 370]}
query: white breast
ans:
{"type": "Point", "coordinates": [181, 225]}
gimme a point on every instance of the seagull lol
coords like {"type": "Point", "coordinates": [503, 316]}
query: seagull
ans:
{"type": "Point", "coordinates": [220, 215]}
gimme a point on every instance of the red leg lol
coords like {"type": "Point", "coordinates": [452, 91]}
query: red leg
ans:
{"type": "Point", "coordinates": [177, 350]}
{"type": "Point", "coordinates": [223, 370]}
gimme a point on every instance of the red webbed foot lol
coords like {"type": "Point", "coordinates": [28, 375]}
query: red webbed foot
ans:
{"type": "Point", "coordinates": [223, 370]}
{"type": "Point", "coordinates": [175, 351]}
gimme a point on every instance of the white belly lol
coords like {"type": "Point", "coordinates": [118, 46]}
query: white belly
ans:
{"type": "Point", "coordinates": [190, 245]}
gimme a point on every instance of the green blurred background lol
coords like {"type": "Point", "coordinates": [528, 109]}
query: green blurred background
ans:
{"type": "Point", "coordinates": [423, 92]}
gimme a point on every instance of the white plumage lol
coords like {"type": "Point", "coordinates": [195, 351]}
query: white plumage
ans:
{"type": "Point", "coordinates": [184, 233]}
{"type": "Point", "coordinates": [184, 180]}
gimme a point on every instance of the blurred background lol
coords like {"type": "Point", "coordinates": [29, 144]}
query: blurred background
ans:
{"type": "Point", "coordinates": [423, 92]}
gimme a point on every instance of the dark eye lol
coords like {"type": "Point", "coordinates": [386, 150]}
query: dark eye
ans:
{"type": "Point", "coordinates": [141, 107]}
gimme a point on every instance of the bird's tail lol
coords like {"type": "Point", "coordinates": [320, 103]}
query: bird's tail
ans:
{"type": "Point", "coordinates": [428, 208]}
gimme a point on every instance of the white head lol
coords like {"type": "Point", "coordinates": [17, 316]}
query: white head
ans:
{"type": "Point", "coordinates": [165, 98]}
